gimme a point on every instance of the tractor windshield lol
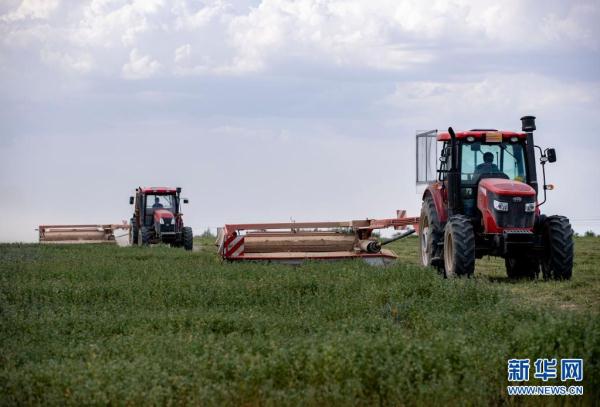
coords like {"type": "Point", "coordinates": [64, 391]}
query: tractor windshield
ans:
{"type": "Point", "coordinates": [160, 202]}
{"type": "Point", "coordinates": [489, 158]}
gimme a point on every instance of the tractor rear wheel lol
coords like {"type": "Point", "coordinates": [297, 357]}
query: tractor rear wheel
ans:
{"type": "Point", "coordinates": [133, 233]}
{"type": "Point", "coordinates": [521, 267]}
{"type": "Point", "coordinates": [459, 247]}
{"type": "Point", "coordinates": [188, 238]}
{"type": "Point", "coordinates": [145, 236]}
{"type": "Point", "coordinates": [430, 233]}
{"type": "Point", "coordinates": [557, 260]}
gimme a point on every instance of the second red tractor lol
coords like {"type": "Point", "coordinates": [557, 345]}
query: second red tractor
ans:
{"type": "Point", "coordinates": [157, 218]}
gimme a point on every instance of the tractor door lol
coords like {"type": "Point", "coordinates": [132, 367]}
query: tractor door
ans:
{"type": "Point", "coordinates": [146, 215]}
{"type": "Point", "coordinates": [138, 209]}
{"type": "Point", "coordinates": [427, 157]}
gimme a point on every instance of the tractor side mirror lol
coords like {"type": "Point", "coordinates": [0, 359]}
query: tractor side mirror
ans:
{"type": "Point", "coordinates": [130, 200]}
{"type": "Point", "coordinates": [551, 154]}
{"type": "Point", "coordinates": [185, 200]}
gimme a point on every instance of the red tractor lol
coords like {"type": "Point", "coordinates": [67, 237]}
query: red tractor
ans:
{"type": "Point", "coordinates": [484, 201]}
{"type": "Point", "coordinates": [157, 218]}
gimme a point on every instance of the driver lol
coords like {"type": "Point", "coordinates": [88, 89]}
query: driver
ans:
{"type": "Point", "coordinates": [157, 203]}
{"type": "Point", "coordinates": [487, 166]}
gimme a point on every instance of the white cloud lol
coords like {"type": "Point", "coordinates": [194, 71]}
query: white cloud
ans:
{"type": "Point", "coordinates": [185, 19]}
{"type": "Point", "coordinates": [107, 23]}
{"type": "Point", "coordinates": [579, 25]}
{"type": "Point", "coordinates": [235, 37]}
{"type": "Point", "coordinates": [529, 25]}
{"type": "Point", "coordinates": [182, 54]}
{"type": "Point", "coordinates": [140, 66]}
{"type": "Point", "coordinates": [489, 97]}
{"type": "Point", "coordinates": [31, 9]}
{"type": "Point", "coordinates": [394, 35]}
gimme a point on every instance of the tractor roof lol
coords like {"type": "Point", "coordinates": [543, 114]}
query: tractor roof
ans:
{"type": "Point", "coordinates": [445, 136]}
{"type": "Point", "coordinates": [158, 190]}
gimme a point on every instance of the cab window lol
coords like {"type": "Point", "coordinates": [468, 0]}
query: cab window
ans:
{"type": "Point", "coordinates": [479, 158]}
{"type": "Point", "coordinates": [159, 201]}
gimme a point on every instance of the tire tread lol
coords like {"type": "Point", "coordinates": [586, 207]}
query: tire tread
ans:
{"type": "Point", "coordinates": [559, 250]}
{"type": "Point", "coordinates": [463, 239]}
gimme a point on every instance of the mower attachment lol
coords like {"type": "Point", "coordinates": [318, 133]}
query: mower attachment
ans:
{"type": "Point", "coordinates": [295, 242]}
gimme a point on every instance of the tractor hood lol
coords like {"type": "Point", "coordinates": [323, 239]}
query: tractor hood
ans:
{"type": "Point", "coordinates": [506, 204]}
{"type": "Point", "coordinates": [162, 214]}
{"type": "Point", "coordinates": [505, 187]}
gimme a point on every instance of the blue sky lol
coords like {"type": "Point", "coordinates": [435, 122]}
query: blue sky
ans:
{"type": "Point", "coordinates": [271, 110]}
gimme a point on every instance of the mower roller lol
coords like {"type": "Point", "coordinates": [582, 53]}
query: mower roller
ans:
{"type": "Point", "coordinates": [295, 242]}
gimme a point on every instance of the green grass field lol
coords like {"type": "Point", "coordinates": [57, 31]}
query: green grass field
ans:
{"type": "Point", "coordinates": [99, 324]}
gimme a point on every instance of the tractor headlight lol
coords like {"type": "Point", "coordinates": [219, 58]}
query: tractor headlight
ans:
{"type": "Point", "coordinates": [501, 206]}
{"type": "Point", "coordinates": [530, 207]}
{"type": "Point", "coordinates": [161, 221]}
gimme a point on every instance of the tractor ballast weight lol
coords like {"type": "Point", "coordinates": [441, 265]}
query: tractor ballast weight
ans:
{"type": "Point", "coordinates": [157, 218]}
{"type": "Point", "coordinates": [484, 201]}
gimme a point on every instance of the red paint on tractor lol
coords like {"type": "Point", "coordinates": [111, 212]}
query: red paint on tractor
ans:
{"type": "Point", "coordinates": [440, 197]}
{"type": "Point", "coordinates": [506, 187]}
{"type": "Point", "coordinates": [158, 190]}
{"type": "Point", "coordinates": [477, 134]}
{"type": "Point", "coordinates": [162, 213]}
{"type": "Point", "coordinates": [502, 188]}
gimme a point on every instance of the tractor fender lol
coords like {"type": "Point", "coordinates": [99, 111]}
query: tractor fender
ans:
{"type": "Point", "coordinates": [436, 192]}
{"type": "Point", "coordinates": [487, 217]}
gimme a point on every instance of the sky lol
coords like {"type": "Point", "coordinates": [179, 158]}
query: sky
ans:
{"type": "Point", "coordinates": [276, 109]}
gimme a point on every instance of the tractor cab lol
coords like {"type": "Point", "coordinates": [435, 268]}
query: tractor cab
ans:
{"type": "Point", "coordinates": [482, 199]}
{"type": "Point", "coordinates": [487, 155]}
{"type": "Point", "coordinates": [159, 205]}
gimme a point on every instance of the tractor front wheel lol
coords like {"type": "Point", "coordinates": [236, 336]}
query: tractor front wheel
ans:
{"type": "Point", "coordinates": [557, 260]}
{"type": "Point", "coordinates": [145, 236]}
{"type": "Point", "coordinates": [188, 238]}
{"type": "Point", "coordinates": [133, 232]}
{"type": "Point", "coordinates": [521, 267]}
{"type": "Point", "coordinates": [430, 233]}
{"type": "Point", "coordinates": [459, 247]}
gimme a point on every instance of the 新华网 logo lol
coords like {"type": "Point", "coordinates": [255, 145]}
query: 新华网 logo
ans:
{"type": "Point", "coordinates": [545, 370]}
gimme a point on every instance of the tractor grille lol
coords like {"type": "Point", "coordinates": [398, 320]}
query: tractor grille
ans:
{"type": "Point", "coordinates": [168, 226]}
{"type": "Point", "coordinates": [516, 217]}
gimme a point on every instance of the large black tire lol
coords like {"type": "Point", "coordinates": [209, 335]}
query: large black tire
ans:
{"type": "Point", "coordinates": [145, 236]}
{"type": "Point", "coordinates": [133, 233]}
{"type": "Point", "coordinates": [430, 234]}
{"type": "Point", "coordinates": [459, 247]}
{"type": "Point", "coordinates": [188, 238]}
{"type": "Point", "coordinates": [557, 260]}
{"type": "Point", "coordinates": [521, 267]}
